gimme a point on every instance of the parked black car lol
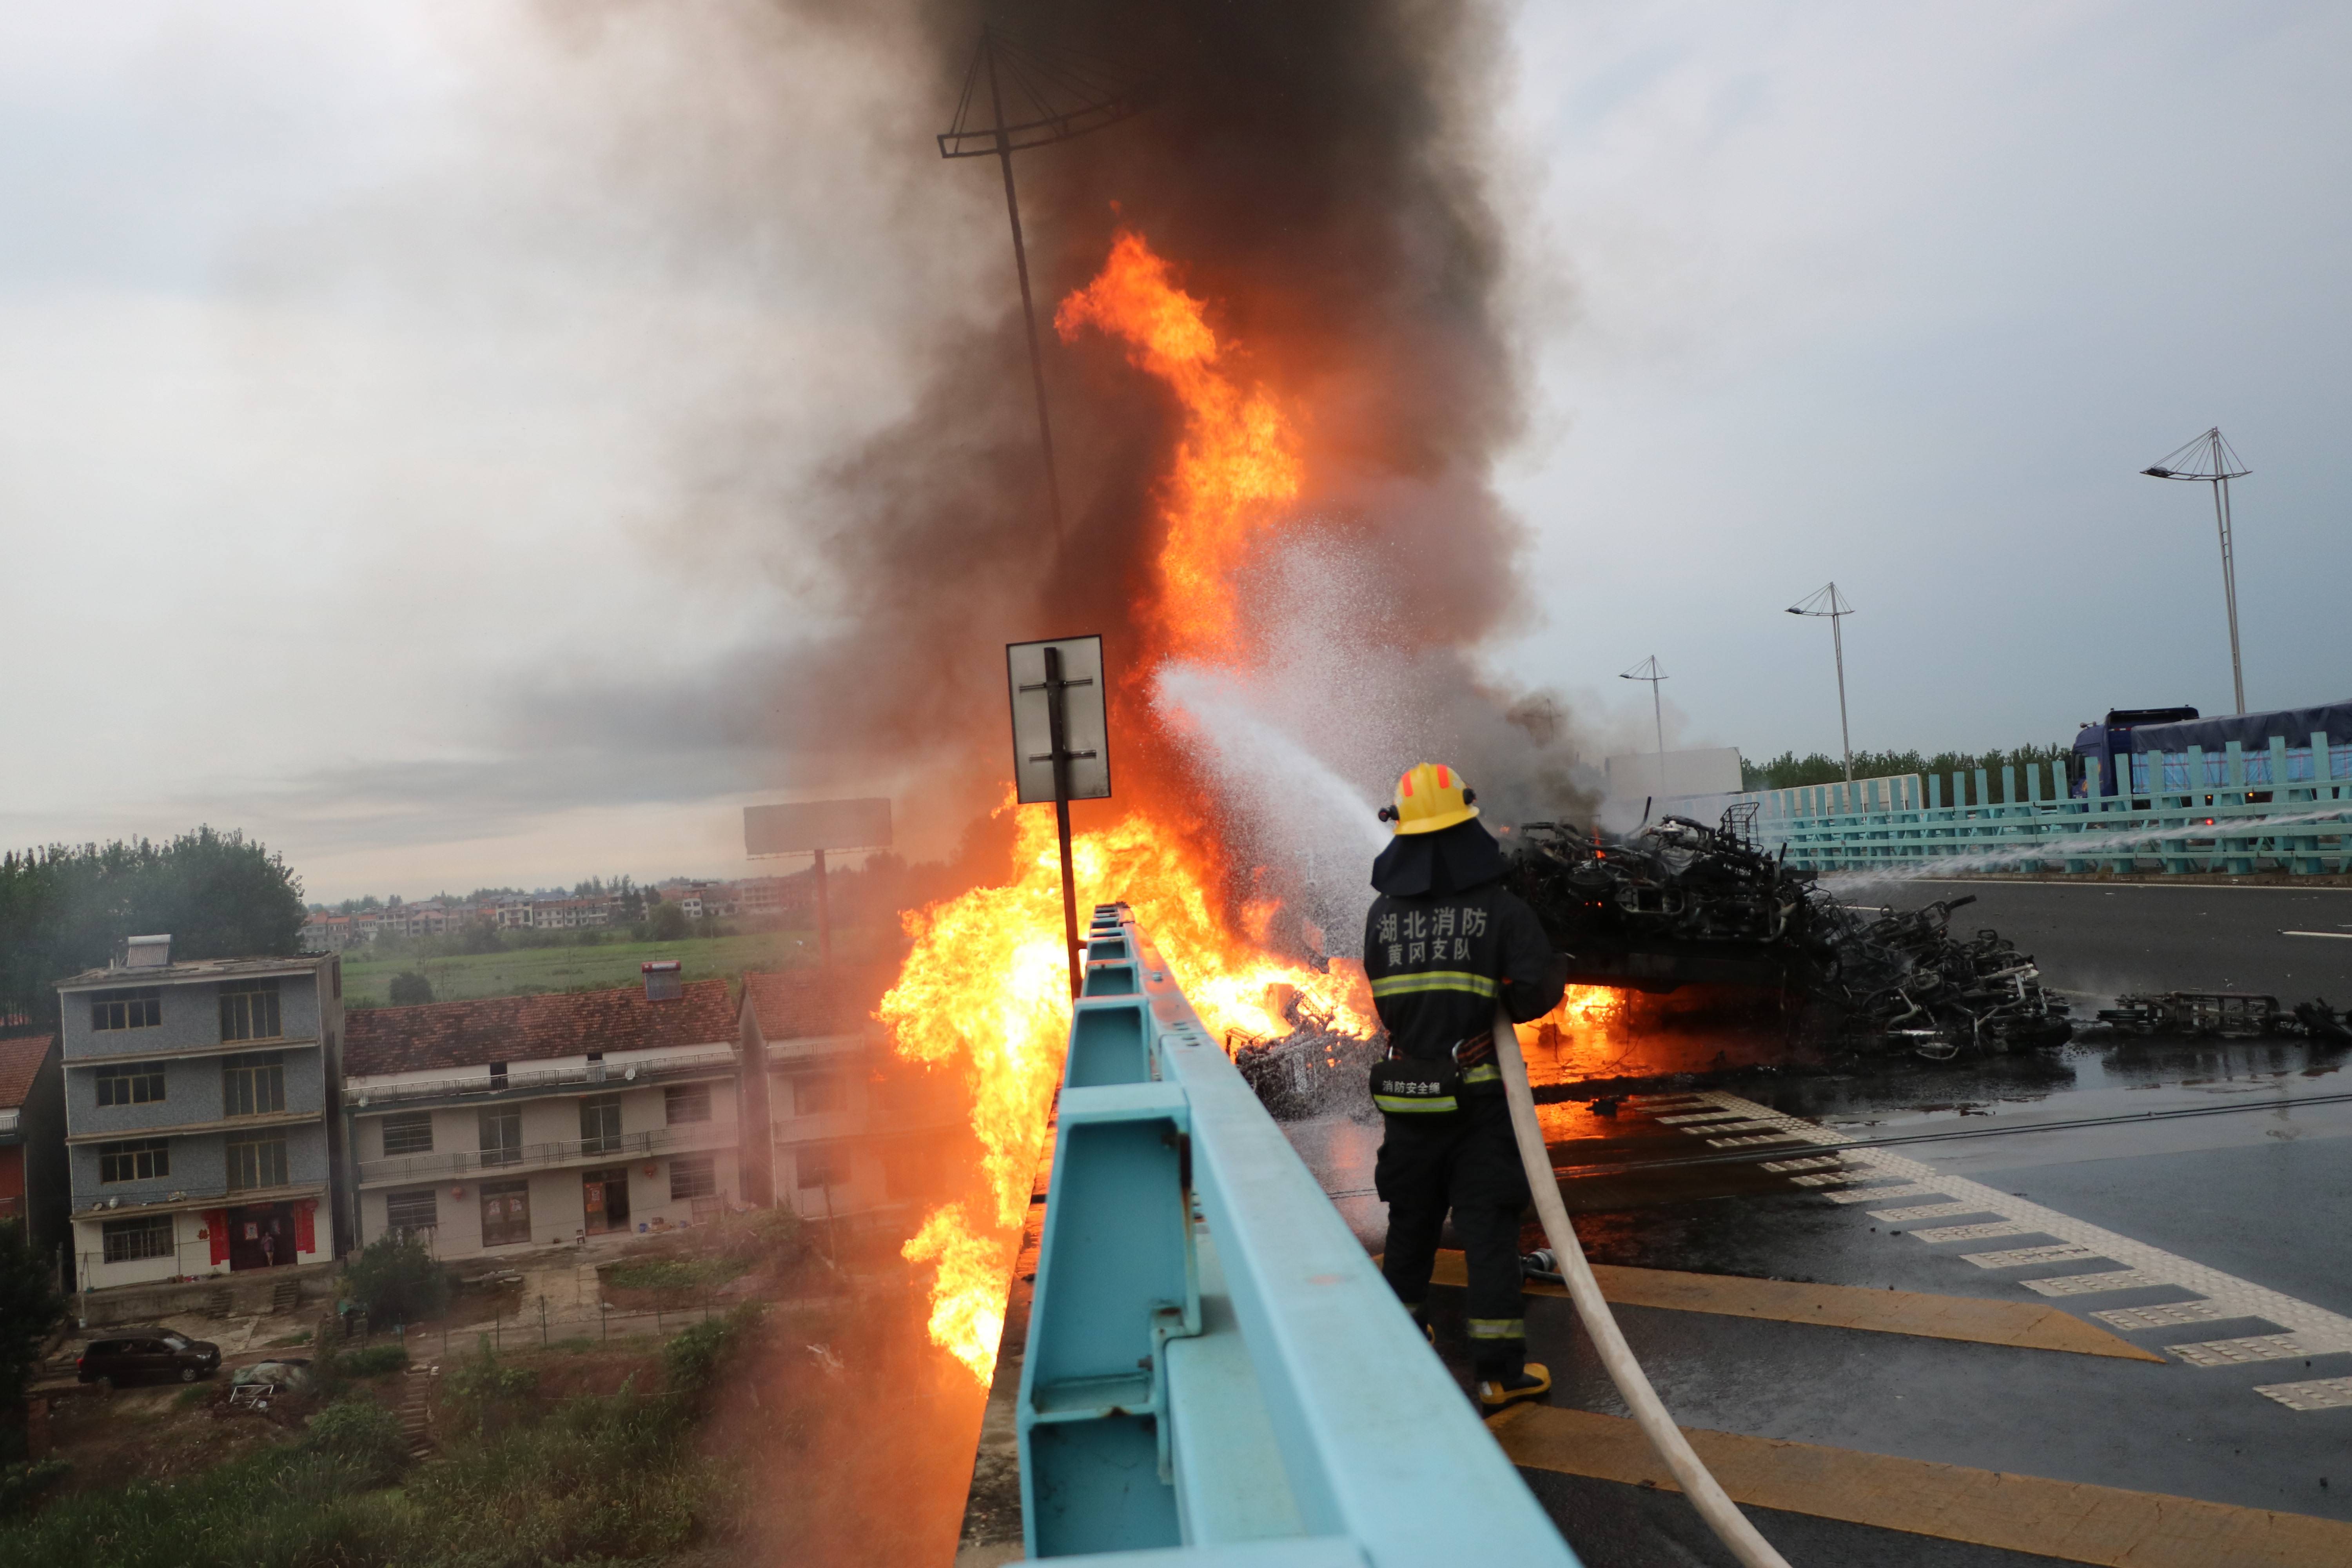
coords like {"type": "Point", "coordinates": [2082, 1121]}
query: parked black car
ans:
{"type": "Point", "coordinates": [146, 1355]}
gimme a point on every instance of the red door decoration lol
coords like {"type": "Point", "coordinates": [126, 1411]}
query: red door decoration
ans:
{"type": "Point", "coordinates": [216, 1221]}
{"type": "Point", "coordinates": [306, 1228]}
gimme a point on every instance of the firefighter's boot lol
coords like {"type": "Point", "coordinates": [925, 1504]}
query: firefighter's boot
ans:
{"type": "Point", "coordinates": [1533, 1380]}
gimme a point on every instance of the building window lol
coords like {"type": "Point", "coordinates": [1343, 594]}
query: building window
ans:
{"type": "Point", "coordinates": [257, 1162]}
{"type": "Point", "coordinates": [506, 1213]}
{"type": "Point", "coordinates": [129, 1240]}
{"type": "Point", "coordinates": [694, 1178]}
{"type": "Point", "coordinates": [682, 1103]}
{"type": "Point", "coordinates": [253, 1084]}
{"type": "Point", "coordinates": [417, 1209]}
{"type": "Point", "coordinates": [501, 1135]}
{"type": "Point", "coordinates": [249, 1011]}
{"type": "Point", "coordinates": [127, 1009]}
{"type": "Point", "coordinates": [599, 1124]}
{"type": "Point", "coordinates": [820, 1165]}
{"type": "Point", "coordinates": [410, 1132]}
{"type": "Point", "coordinates": [815, 1093]}
{"type": "Point", "coordinates": [132, 1083]}
{"type": "Point", "coordinates": [138, 1160]}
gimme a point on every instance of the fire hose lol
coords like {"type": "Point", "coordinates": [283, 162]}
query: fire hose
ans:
{"type": "Point", "coordinates": [1707, 1494]}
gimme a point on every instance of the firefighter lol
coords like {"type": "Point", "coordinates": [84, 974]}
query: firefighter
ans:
{"type": "Point", "coordinates": [1442, 942]}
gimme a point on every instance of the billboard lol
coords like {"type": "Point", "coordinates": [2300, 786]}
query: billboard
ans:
{"type": "Point", "coordinates": [810, 825]}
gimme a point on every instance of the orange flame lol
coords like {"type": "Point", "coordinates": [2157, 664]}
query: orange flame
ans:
{"type": "Point", "coordinates": [1235, 463]}
{"type": "Point", "coordinates": [986, 985]}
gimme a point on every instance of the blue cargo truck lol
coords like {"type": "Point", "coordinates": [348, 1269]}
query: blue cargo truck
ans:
{"type": "Point", "coordinates": [2129, 735]}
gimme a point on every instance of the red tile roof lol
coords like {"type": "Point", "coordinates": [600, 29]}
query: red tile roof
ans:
{"type": "Point", "coordinates": [533, 1029]}
{"type": "Point", "coordinates": [795, 1002]}
{"type": "Point", "coordinates": [20, 1062]}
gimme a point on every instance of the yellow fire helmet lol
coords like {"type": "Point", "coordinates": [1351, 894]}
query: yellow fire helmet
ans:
{"type": "Point", "coordinates": [1430, 796]}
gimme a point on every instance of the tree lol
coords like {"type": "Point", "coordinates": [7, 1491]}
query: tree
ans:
{"type": "Point", "coordinates": [65, 909]}
{"type": "Point", "coordinates": [668, 922]}
{"type": "Point", "coordinates": [410, 988]}
{"type": "Point", "coordinates": [27, 1309]}
{"type": "Point", "coordinates": [397, 1281]}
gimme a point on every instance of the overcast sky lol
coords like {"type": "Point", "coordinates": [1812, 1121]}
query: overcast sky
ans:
{"type": "Point", "coordinates": [360, 362]}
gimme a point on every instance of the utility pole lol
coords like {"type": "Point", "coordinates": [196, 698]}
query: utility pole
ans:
{"type": "Point", "coordinates": [2209, 457]}
{"type": "Point", "coordinates": [1648, 670]}
{"type": "Point", "coordinates": [1829, 603]}
{"type": "Point", "coordinates": [1060, 94]}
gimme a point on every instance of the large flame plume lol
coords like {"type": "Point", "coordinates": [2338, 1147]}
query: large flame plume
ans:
{"type": "Point", "coordinates": [986, 985]}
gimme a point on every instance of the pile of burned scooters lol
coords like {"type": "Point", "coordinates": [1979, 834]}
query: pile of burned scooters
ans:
{"type": "Point", "coordinates": [1684, 903]}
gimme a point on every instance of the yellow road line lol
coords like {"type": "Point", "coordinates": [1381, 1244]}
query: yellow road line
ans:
{"type": "Point", "coordinates": [2026, 1325]}
{"type": "Point", "coordinates": [2067, 1520]}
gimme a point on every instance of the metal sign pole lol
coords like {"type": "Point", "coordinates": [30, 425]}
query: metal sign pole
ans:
{"type": "Point", "coordinates": [1055, 686]}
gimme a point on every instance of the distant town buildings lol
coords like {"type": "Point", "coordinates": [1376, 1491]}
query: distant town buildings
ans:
{"type": "Point", "coordinates": [754, 900]}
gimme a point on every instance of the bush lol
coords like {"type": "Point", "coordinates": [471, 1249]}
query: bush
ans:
{"type": "Point", "coordinates": [691, 1359]}
{"type": "Point", "coordinates": [283, 1508]}
{"type": "Point", "coordinates": [21, 1486]}
{"type": "Point", "coordinates": [600, 1479]}
{"type": "Point", "coordinates": [28, 1308]}
{"type": "Point", "coordinates": [397, 1281]}
{"type": "Point", "coordinates": [410, 988]}
{"type": "Point", "coordinates": [364, 1434]}
{"type": "Point", "coordinates": [370, 1361]}
{"type": "Point", "coordinates": [487, 1388]}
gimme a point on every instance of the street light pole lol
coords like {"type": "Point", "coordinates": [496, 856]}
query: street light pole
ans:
{"type": "Point", "coordinates": [1648, 670]}
{"type": "Point", "coordinates": [1829, 603]}
{"type": "Point", "coordinates": [2211, 459]}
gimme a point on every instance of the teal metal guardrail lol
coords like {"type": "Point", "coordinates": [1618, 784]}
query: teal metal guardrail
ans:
{"type": "Point", "coordinates": [2286, 808]}
{"type": "Point", "coordinates": [1215, 1372]}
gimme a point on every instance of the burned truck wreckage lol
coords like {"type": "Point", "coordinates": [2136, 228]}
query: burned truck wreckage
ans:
{"type": "Point", "coordinates": [1685, 904]}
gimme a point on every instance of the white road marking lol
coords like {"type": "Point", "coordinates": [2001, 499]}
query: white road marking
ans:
{"type": "Point", "coordinates": [1874, 1194]}
{"type": "Point", "coordinates": [1832, 1178]}
{"type": "Point", "coordinates": [2312, 1326]}
{"type": "Point", "coordinates": [2258, 1347]}
{"type": "Point", "coordinates": [2093, 1284]}
{"type": "Point", "coordinates": [1697, 1116]}
{"type": "Point", "coordinates": [2171, 1315]}
{"type": "Point", "coordinates": [2335, 935]}
{"type": "Point", "coordinates": [1944, 1233]}
{"type": "Point", "coordinates": [1759, 1137]}
{"type": "Point", "coordinates": [1818, 1162]}
{"type": "Point", "coordinates": [1737, 1124]}
{"type": "Point", "coordinates": [2319, 1393]}
{"type": "Point", "coordinates": [1925, 1211]}
{"type": "Point", "coordinates": [2026, 1257]}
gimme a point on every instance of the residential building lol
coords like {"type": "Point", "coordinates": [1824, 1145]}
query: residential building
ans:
{"type": "Point", "coordinates": [34, 1190]}
{"type": "Point", "coordinates": [854, 1133]}
{"type": "Point", "coordinates": [201, 1125]}
{"type": "Point", "coordinates": [511, 1121]}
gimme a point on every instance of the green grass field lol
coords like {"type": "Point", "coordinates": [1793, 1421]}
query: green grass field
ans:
{"type": "Point", "coordinates": [525, 972]}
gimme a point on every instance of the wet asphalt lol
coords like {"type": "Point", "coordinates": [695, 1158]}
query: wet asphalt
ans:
{"type": "Point", "coordinates": [2234, 1156]}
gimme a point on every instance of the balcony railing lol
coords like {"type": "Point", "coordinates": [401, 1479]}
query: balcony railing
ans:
{"type": "Point", "coordinates": [611, 1075]}
{"type": "Point", "coordinates": [689, 1137]}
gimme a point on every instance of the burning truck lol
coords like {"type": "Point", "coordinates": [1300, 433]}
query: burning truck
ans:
{"type": "Point", "coordinates": [1684, 904]}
